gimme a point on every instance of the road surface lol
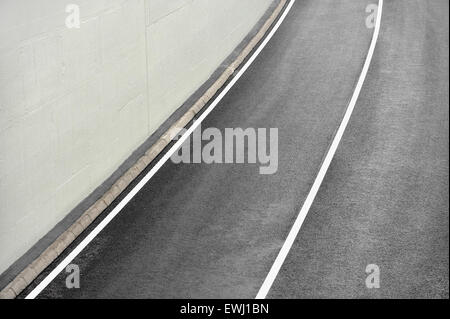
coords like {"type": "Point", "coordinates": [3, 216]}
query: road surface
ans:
{"type": "Point", "coordinates": [214, 231]}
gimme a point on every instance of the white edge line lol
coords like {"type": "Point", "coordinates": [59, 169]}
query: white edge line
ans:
{"type": "Point", "coordinates": [52, 275]}
{"type": "Point", "coordinates": [271, 276]}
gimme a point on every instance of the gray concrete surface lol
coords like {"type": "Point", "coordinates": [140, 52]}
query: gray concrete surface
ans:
{"type": "Point", "coordinates": [34, 252]}
{"type": "Point", "coordinates": [75, 103]}
{"type": "Point", "coordinates": [206, 231]}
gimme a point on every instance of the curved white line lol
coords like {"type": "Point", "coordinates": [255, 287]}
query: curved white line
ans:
{"type": "Point", "coordinates": [47, 280]}
{"type": "Point", "coordinates": [270, 278]}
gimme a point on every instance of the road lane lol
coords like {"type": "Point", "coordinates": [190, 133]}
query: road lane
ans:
{"type": "Point", "coordinates": [214, 230]}
{"type": "Point", "coordinates": [384, 200]}
{"type": "Point", "coordinates": [290, 239]}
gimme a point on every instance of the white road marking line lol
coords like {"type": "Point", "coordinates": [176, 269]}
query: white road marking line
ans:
{"type": "Point", "coordinates": [271, 276]}
{"type": "Point", "coordinates": [47, 280]}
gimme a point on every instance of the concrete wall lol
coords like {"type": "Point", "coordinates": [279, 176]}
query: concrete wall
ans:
{"type": "Point", "coordinates": [75, 103]}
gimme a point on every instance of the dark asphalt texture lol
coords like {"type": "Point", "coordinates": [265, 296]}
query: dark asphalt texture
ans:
{"type": "Point", "coordinates": [384, 200]}
{"type": "Point", "coordinates": [213, 231]}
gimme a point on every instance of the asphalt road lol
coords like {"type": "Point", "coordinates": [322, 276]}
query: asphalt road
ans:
{"type": "Point", "coordinates": [213, 231]}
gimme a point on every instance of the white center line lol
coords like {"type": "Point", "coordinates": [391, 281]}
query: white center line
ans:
{"type": "Point", "coordinates": [61, 266]}
{"type": "Point", "coordinates": [271, 276]}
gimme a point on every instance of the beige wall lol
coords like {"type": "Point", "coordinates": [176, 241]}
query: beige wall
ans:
{"type": "Point", "coordinates": [75, 103]}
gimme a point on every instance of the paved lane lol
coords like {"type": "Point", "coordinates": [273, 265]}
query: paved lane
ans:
{"type": "Point", "coordinates": [200, 230]}
{"type": "Point", "coordinates": [385, 200]}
